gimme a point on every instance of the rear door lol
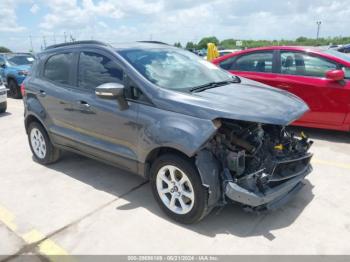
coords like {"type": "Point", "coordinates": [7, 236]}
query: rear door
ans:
{"type": "Point", "coordinates": [55, 90]}
{"type": "Point", "coordinates": [303, 74]}
{"type": "Point", "coordinates": [259, 66]}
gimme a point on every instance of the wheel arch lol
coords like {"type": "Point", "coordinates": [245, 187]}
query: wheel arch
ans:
{"type": "Point", "coordinates": [33, 118]}
{"type": "Point", "coordinates": [156, 152]}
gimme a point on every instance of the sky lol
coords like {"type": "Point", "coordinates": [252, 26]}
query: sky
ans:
{"type": "Point", "coordinates": [53, 21]}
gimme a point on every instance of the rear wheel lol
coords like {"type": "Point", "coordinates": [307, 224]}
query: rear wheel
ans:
{"type": "Point", "coordinates": [178, 189]}
{"type": "Point", "coordinates": [3, 107]}
{"type": "Point", "coordinates": [15, 91]}
{"type": "Point", "coordinates": [41, 146]}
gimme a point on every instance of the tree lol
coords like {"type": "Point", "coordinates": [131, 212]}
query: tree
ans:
{"type": "Point", "coordinates": [4, 50]}
{"type": "Point", "coordinates": [204, 41]}
{"type": "Point", "coordinates": [301, 39]}
{"type": "Point", "coordinates": [178, 44]}
{"type": "Point", "coordinates": [190, 45]}
{"type": "Point", "coordinates": [228, 43]}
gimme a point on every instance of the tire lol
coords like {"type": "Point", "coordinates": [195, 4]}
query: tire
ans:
{"type": "Point", "coordinates": [3, 107]}
{"type": "Point", "coordinates": [15, 90]}
{"type": "Point", "coordinates": [195, 208]}
{"type": "Point", "coordinates": [43, 151]}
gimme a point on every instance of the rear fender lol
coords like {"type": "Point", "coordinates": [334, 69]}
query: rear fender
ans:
{"type": "Point", "coordinates": [33, 108]}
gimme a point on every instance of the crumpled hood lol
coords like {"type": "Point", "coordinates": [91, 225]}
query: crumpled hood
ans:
{"type": "Point", "coordinates": [246, 101]}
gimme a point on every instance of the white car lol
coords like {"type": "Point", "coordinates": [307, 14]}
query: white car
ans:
{"type": "Point", "coordinates": [225, 52]}
{"type": "Point", "coordinates": [228, 51]}
{"type": "Point", "coordinates": [3, 97]}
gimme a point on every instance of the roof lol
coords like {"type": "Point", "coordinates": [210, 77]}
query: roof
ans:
{"type": "Point", "coordinates": [117, 46]}
{"type": "Point", "coordinates": [15, 54]}
{"type": "Point", "coordinates": [317, 50]}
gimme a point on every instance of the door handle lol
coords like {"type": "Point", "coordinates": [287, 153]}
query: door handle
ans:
{"type": "Point", "coordinates": [42, 93]}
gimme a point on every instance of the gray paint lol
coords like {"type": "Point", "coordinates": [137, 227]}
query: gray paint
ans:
{"type": "Point", "coordinates": [242, 195]}
{"type": "Point", "coordinates": [78, 120]}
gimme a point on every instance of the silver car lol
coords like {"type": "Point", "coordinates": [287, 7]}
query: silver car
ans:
{"type": "Point", "coordinates": [3, 97]}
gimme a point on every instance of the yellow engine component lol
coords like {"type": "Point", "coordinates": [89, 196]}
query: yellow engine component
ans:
{"type": "Point", "coordinates": [278, 147]}
{"type": "Point", "coordinates": [302, 134]}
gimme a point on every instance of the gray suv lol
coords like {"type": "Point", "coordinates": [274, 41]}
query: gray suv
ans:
{"type": "Point", "coordinates": [201, 136]}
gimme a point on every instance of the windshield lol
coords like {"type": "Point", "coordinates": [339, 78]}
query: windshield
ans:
{"type": "Point", "coordinates": [174, 69]}
{"type": "Point", "coordinates": [338, 54]}
{"type": "Point", "coordinates": [16, 60]}
{"type": "Point", "coordinates": [342, 56]}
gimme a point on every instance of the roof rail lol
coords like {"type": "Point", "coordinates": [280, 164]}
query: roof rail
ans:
{"type": "Point", "coordinates": [153, 42]}
{"type": "Point", "coordinates": [85, 42]}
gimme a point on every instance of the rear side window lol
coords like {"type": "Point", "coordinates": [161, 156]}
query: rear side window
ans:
{"type": "Point", "coordinates": [57, 68]}
{"type": "Point", "coordinates": [297, 63]}
{"type": "Point", "coordinates": [96, 69]}
{"type": "Point", "coordinates": [255, 62]}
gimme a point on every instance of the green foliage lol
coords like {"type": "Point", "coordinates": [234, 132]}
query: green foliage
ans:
{"type": "Point", "coordinates": [4, 50]}
{"type": "Point", "coordinates": [302, 41]}
{"type": "Point", "coordinates": [204, 41]}
{"type": "Point", "coordinates": [191, 45]}
{"type": "Point", "coordinates": [178, 45]}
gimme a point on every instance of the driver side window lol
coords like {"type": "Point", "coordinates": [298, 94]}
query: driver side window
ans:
{"type": "Point", "coordinates": [302, 64]}
{"type": "Point", "coordinates": [132, 92]}
{"type": "Point", "coordinates": [96, 69]}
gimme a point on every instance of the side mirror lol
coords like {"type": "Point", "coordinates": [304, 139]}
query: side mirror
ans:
{"type": "Point", "coordinates": [113, 91]}
{"type": "Point", "coordinates": [335, 75]}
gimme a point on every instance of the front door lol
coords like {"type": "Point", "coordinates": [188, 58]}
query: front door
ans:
{"type": "Point", "coordinates": [304, 75]}
{"type": "Point", "coordinates": [105, 130]}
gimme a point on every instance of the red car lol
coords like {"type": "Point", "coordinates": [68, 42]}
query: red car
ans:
{"type": "Point", "coordinates": [321, 77]}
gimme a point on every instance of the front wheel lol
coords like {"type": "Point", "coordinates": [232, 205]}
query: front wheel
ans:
{"type": "Point", "coordinates": [43, 150]}
{"type": "Point", "coordinates": [178, 189]}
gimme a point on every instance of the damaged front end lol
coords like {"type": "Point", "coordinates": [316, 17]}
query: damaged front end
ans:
{"type": "Point", "coordinates": [260, 165]}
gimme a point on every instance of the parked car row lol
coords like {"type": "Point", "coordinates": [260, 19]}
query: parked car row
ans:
{"type": "Point", "coordinates": [344, 49]}
{"type": "Point", "coordinates": [321, 77]}
{"type": "Point", "coordinates": [14, 67]}
{"type": "Point", "coordinates": [3, 97]}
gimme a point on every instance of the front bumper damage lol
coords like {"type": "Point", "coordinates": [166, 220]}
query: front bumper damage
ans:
{"type": "Point", "coordinates": [279, 186]}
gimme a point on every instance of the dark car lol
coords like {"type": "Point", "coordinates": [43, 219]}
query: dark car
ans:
{"type": "Point", "coordinates": [201, 136]}
{"type": "Point", "coordinates": [344, 49]}
{"type": "Point", "coordinates": [14, 67]}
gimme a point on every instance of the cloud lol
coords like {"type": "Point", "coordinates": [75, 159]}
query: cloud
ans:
{"type": "Point", "coordinates": [192, 19]}
{"type": "Point", "coordinates": [34, 9]}
{"type": "Point", "coordinates": [69, 14]}
{"type": "Point", "coordinates": [8, 17]}
{"type": "Point", "coordinates": [181, 20]}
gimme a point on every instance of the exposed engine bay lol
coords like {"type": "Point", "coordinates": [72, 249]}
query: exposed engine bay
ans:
{"type": "Point", "coordinates": [259, 157]}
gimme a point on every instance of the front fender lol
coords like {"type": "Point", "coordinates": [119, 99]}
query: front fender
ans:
{"type": "Point", "coordinates": [168, 129]}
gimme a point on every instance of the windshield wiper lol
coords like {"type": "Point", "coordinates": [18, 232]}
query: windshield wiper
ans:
{"type": "Point", "coordinates": [214, 84]}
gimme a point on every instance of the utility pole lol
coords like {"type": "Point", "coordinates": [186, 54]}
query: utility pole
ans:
{"type": "Point", "coordinates": [31, 43]}
{"type": "Point", "coordinates": [44, 40]}
{"type": "Point", "coordinates": [65, 37]}
{"type": "Point", "coordinates": [318, 28]}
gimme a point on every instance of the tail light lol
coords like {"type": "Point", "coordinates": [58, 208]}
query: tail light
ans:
{"type": "Point", "coordinates": [23, 90]}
